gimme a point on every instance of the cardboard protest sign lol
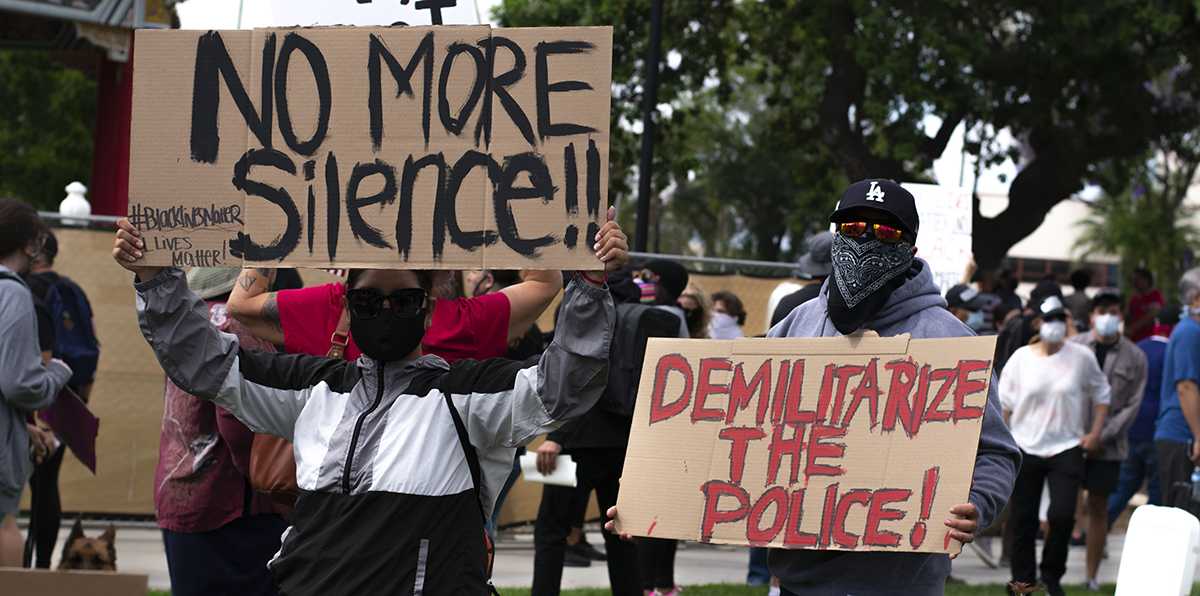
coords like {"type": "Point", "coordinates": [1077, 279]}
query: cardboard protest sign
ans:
{"type": "Point", "coordinates": [945, 239]}
{"type": "Point", "coordinates": [847, 443]}
{"type": "Point", "coordinates": [407, 147]}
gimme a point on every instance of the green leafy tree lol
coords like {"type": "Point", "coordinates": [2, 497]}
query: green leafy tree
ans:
{"type": "Point", "coordinates": [1144, 217]}
{"type": "Point", "coordinates": [45, 127]}
{"type": "Point", "coordinates": [857, 83]}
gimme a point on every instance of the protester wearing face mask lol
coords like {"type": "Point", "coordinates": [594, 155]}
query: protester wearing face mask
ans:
{"type": "Point", "coordinates": [1124, 366]}
{"type": "Point", "coordinates": [1056, 399]}
{"type": "Point", "coordinates": [26, 383]}
{"type": "Point", "coordinates": [728, 316]}
{"type": "Point", "coordinates": [399, 455]}
{"type": "Point", "coordinates": [879, 284]}
{"type": "Point", "coordinates": [968, 305]}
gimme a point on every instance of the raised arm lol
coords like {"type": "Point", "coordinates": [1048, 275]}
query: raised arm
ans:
{"type": "Point", "coordinates": [254, 306]}
{"type": "Point", "coordinates": [528, 299]}
{"type": "Point", "coordinates": [505, 404]}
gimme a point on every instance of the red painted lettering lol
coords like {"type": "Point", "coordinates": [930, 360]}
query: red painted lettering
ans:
{"type": "Point", "coordinates": [705, 387]}
{"type": "Point", "coordinates": [897, 407]}
{"type": "Point", "coordinates": [741, 393]}
{"type": "Point", "coordinates": [818, 448]}
{"type": "Point", "coordinates": [666, 365]}
{"type": "Point", "coordinates": [781, 446]}
{"type": "Point", "coordinates": [868, 390]}
{"type": "Point", "coordinates": [858, 496]}
{"type": "Point", "coordinates": [933, 413]}
{"type": "Point", "coordinates": [966, 387]}
{"type": "Point", "coordinates": [826, 393]}
{"type": "Point", "coordinates": [740, 438]}
{"type": "Point", "coordinates": [880, 512]}
{"type": "Point", "coordinates": [844, 373]}
{"type": "Point", "coordinates": [713, 491]}
{"type": "Point", "coordinates": [792, 413]}
{"type": "Point", "coordinates": [792, 536]}
{"type": "Point", "coordinates": [757, 535]}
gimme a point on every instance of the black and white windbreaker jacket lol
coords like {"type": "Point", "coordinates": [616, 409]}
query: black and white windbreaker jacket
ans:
{"type": "Point", "coordinates": [387, 502]}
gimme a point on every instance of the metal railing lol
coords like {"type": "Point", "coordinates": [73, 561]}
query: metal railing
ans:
{"type": "Point", "coordinates": [718, 265]}
{"type": "Point", "coordinates": [91, 222]}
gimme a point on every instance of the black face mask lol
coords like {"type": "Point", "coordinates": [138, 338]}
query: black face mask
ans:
{"type": "Point", "coordinates": [382, 333]}
{"type": "Point", "coordinates": [388, 336]}
{"type": "Point", "coordinates": [865, 273]}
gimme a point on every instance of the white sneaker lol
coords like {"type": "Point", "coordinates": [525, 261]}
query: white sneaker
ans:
{"type": "Point", "coordinates": [1093, 585]}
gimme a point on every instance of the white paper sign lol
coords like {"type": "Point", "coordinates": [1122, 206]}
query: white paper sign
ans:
{"type": "Point", "coordinates": [308, 13]}
{"type": "Point", "coordinates": [944, 240]}
{"type": "Point", "coordinates": [563, 474]}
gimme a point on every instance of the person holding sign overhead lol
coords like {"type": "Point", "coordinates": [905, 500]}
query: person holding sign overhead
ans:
{"type": "Point", "coordinates": [879, 284]}
{"type": "Point", "coordinates": [399, 455]}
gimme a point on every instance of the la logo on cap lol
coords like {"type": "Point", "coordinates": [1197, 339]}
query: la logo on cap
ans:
{"type": "Point", "coordinates": [874, 193]}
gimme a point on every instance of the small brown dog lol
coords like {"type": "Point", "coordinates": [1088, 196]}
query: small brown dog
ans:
{"type": "Point", "coordinates": [81, 552]}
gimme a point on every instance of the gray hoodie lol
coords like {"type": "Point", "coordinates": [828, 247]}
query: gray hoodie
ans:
{"type": "Point", "coordinates": [916, 308]}
{"type": "Point", "coordinates": [25, 384]}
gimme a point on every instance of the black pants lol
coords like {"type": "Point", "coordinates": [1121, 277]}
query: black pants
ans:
{"type": "Point", "coordinates": [601, 469]}
{"type": "Point", "coordinates": [45, 510]}
{"type": "Point", "coordinates": [229, 560]}
{"type": "Point", "coordinates": [656, 560]}
{"type": "Point", "coordinates": [1064, 473]}
{"type": "Point", "coordinates": [1175, 473]}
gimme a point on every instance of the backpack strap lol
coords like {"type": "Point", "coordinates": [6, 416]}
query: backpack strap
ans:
{"type": "Point", "coordinates": [341, 335]}
{"type": "Point", "coordinates": [473, 464]}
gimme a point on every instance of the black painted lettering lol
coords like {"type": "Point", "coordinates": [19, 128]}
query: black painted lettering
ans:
{"type": "Point", "coordinates": [539, 188]}
{"type": "Point", "coordinates": [361, 229]}
{"type": "Point", "coordinates": [408, 179]}
{"type": "Point", "coordinates": [454, 124]}
{"type": "Point", "coordinates": [498, 86]}
{"type": "Point", "coordinates": [332, 206]}
{"type": "Point", "coordinates": [244, 246]}
{"type": "Point", "coordinates": [445, 216]}
{"type": "Point", "coordinates": [403, 78]}
{"type": "Point", "coordinates": [543, 87]}
{"type": "Point", "coordinates": [320, 72]}
{"type": "Point", "coordinates": [212, 59]}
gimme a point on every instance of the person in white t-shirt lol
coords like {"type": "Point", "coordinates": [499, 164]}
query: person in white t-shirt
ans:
{"type": "Point", "coordinates": [1050, 391]}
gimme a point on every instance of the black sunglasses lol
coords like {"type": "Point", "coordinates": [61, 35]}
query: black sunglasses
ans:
{"type": "Point", "coordinates": [367, 303]}
{"type": "Point", "coordinates": [1061, 318]}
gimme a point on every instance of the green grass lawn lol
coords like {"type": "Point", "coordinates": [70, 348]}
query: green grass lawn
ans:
{"type": "Point", "coordinates": [740, 590]}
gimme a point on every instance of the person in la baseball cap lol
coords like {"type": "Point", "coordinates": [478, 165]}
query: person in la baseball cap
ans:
{"type": "Point", "coordinates": [879, 283]}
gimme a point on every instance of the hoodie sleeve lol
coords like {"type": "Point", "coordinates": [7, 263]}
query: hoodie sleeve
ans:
{"type": "Point", "coordinates": [265, 390]}
{"type": "Point", "coordinates": [505, 404]}
{"type": "Point", "coordinates": [997, 461]}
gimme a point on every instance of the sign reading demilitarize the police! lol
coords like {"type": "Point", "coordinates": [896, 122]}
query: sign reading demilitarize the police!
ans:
{"type": "Point", "coordinates": [846, 443]}
{"type": "Point", "coordinates": [389, 147]}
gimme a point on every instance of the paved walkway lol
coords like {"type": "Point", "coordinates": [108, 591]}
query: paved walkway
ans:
{"type": "Point", "coordinates": [139, 550]}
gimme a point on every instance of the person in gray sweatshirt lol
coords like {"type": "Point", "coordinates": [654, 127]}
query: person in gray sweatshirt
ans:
{"type": "Point", "coordinates": [26, 383]}
{"type": "Point", "coordinates": [878, 283]}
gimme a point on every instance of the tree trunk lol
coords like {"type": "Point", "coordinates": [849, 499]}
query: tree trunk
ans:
{"type": "Point", "coordinates": [1038, 187]}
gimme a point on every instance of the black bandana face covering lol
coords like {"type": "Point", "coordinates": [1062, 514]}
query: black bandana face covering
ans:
{"type": "Point", "coordinates": [865, 273]}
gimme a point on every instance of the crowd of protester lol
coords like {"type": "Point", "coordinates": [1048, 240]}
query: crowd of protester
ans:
{"type": "Point", "coordinates": [295, 424]}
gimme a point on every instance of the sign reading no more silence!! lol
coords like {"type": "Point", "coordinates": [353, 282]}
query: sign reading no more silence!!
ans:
{"type": "Point", "coordinates": [847, 443]}
{"type": "Point", "coordinates": [392, 147]}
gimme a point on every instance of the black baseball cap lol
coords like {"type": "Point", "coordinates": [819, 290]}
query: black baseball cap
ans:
{"type": "Point", "coordinates": [964, 296]}
{"type": "Point", "coordinates": [1049, 306]}
{"type": "Point", "coordinates": [882, 195]}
